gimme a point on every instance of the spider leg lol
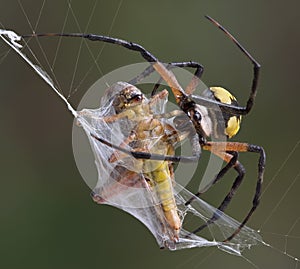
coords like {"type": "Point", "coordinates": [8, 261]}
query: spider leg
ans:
{"type": "Point", "coordinates": [166, 74]}
{"type": "Point", "coordinates": [216, 147]}
{"type": "Point", "coordinates": [92, 37]}
{"type": "Point", "coordinates": [149, 70]}
{"type": "Point", "coordinates": [256, 198]}
{"type": "Point", "coordinates": [147, 155]}
{"type": "Point", "coordinates": [194, 82]}
{"type": "Point", "coordinates": [256, 68]}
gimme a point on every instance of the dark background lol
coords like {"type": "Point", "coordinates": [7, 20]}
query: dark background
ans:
{"type": "Point", "coordinates": [47, 218]}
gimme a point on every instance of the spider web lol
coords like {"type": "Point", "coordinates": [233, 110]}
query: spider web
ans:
{"type": "Point", "coordinates": [282, 241]}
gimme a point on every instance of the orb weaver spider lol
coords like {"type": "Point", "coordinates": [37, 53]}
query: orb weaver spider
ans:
{"type": "Point", "coordinates": [192, 106]}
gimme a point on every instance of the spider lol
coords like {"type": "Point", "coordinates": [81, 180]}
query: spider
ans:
{"type": "Point", "coordinates": [206, 125]}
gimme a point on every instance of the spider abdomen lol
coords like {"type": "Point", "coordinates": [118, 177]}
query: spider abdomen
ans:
{"type": "Point", "coordinates": [232, 122]}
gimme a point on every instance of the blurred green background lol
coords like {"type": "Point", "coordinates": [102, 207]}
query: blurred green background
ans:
{"type": "Point", "coordinates": [47, 217]}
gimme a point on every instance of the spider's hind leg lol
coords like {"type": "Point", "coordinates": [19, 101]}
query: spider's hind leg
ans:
{"type": "Point", "coordinates": [216, 148]}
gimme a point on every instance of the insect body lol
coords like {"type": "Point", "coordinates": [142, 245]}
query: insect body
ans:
{"type": "Point", "coordinates": [149, 134]}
